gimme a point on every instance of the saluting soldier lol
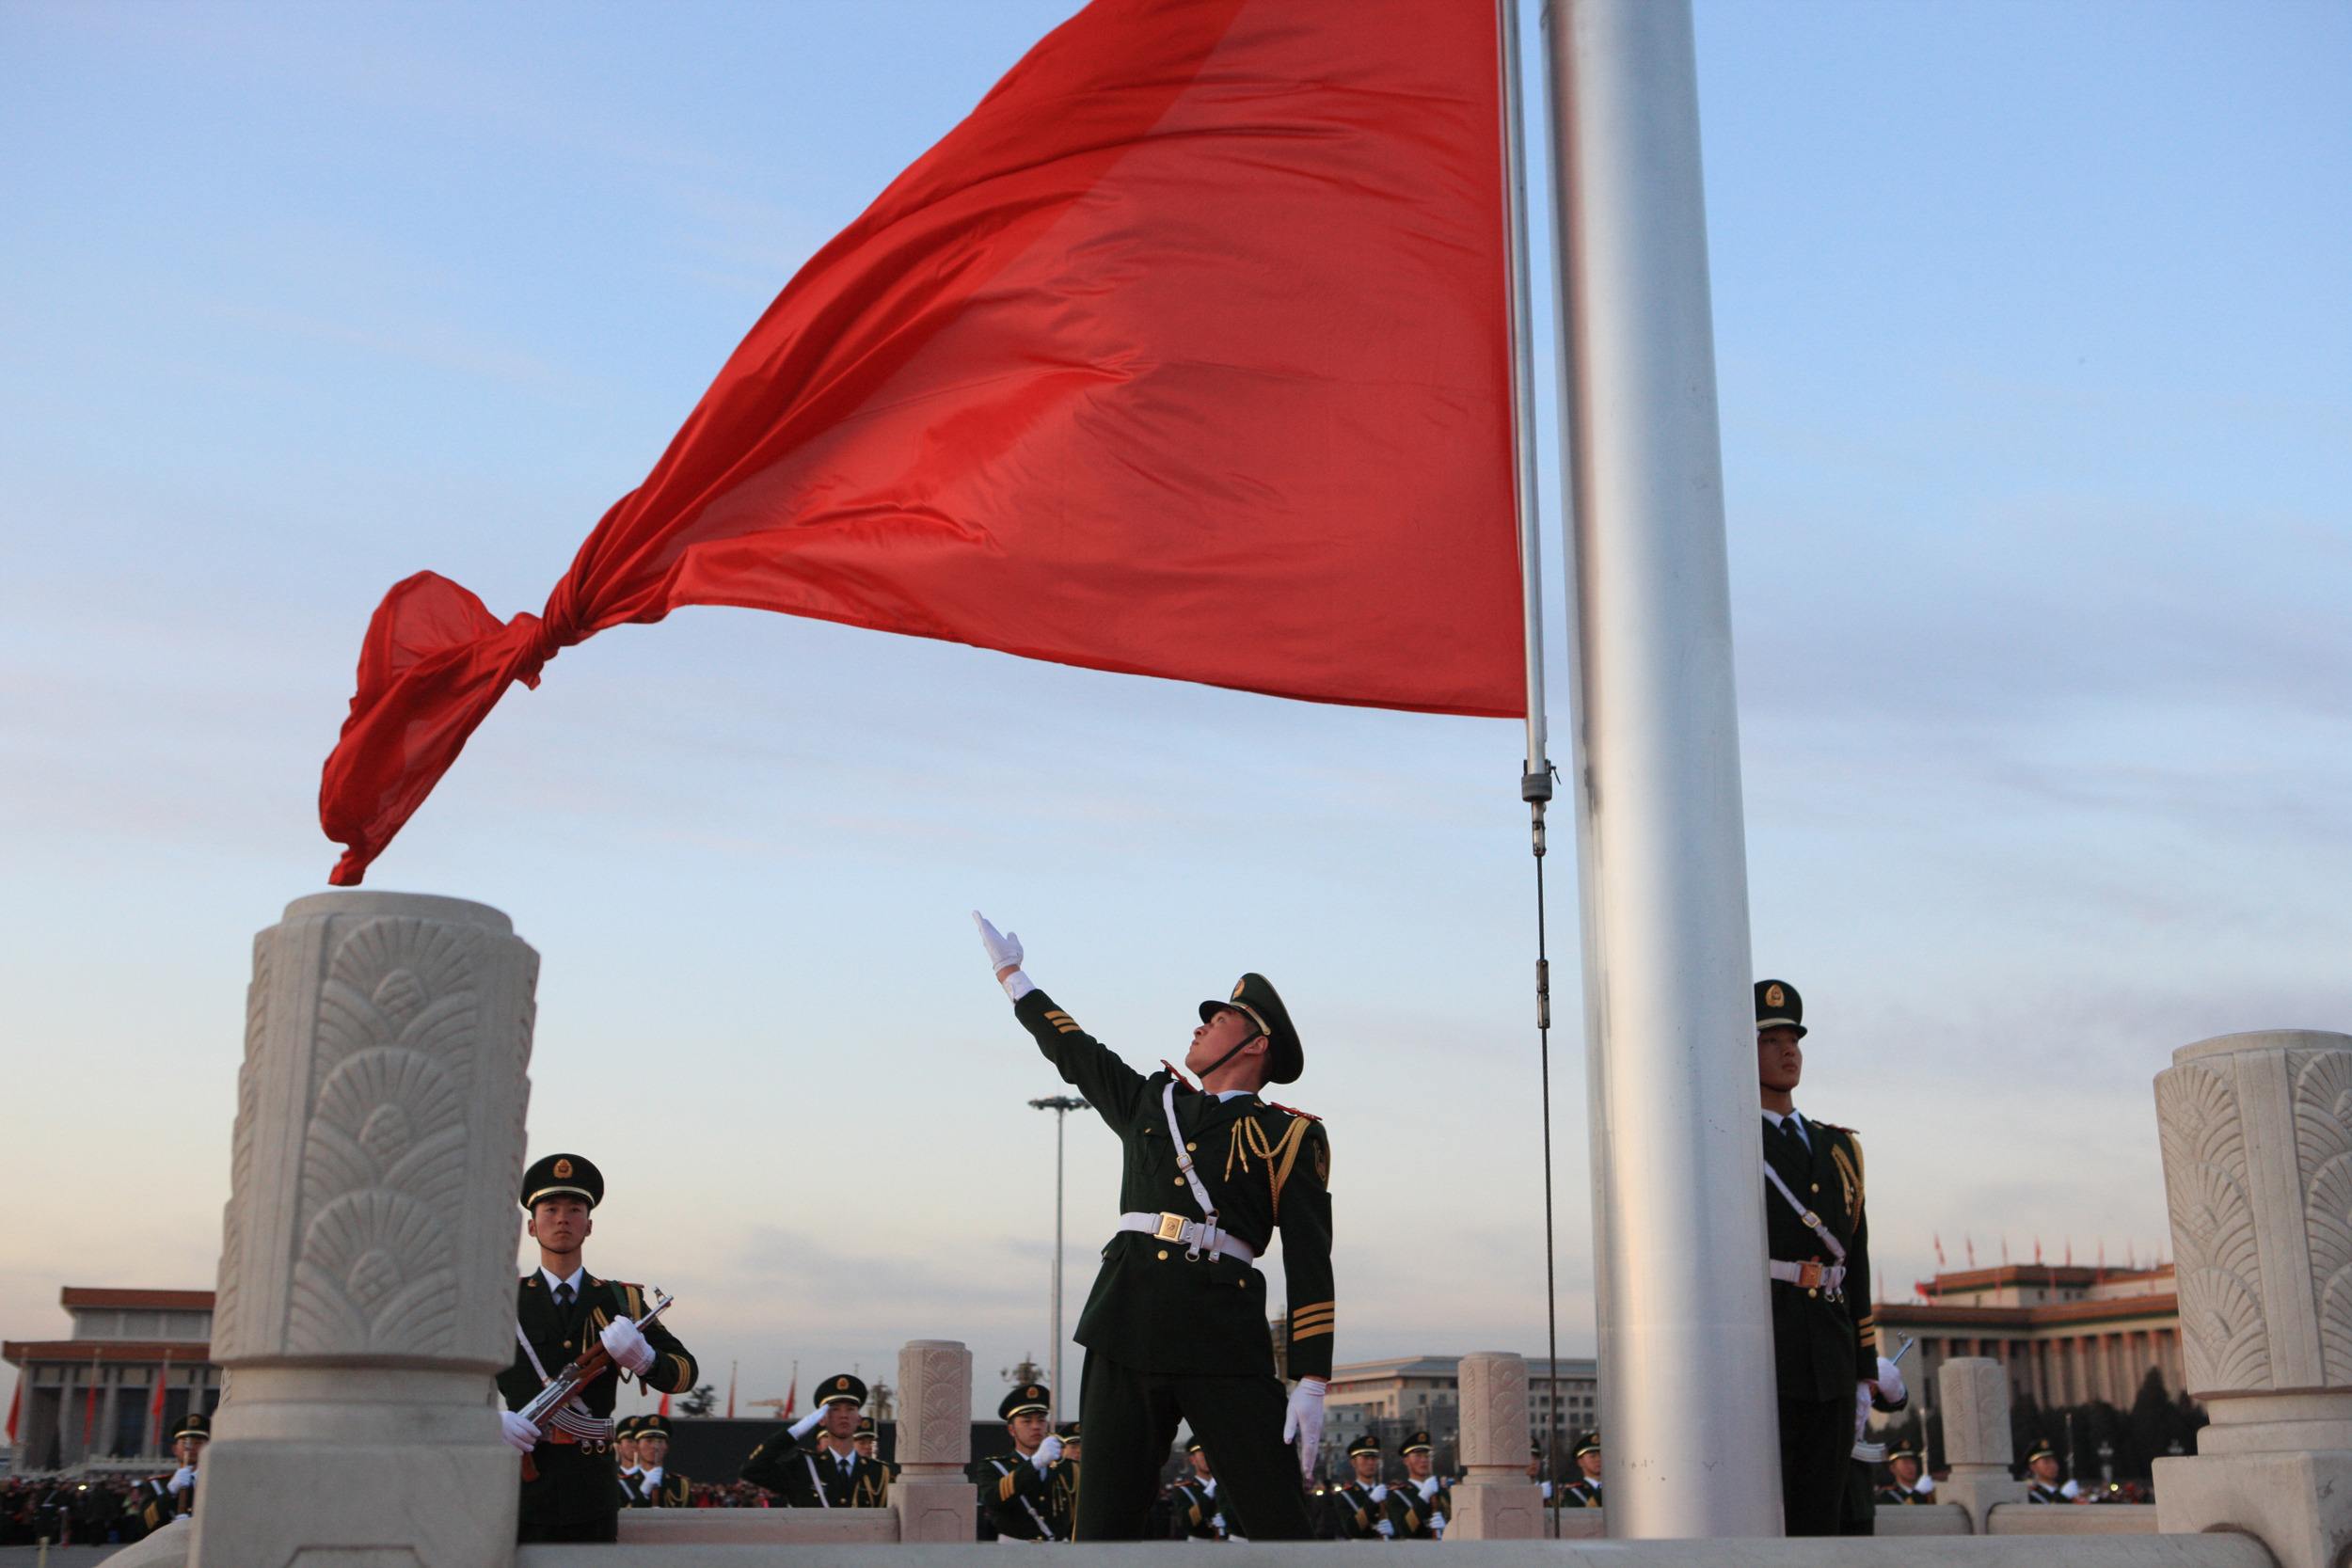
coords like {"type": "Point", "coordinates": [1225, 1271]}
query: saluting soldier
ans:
{"type": "Point", "coordinates": [1824, 1339]}
{"type": "Point", "coordinates": [1175, 1328]}
{"type": "Point", "coordinates": [1584, 1491]}
{"type": "Point", "coordinates": [571, 1487]}
{"type": "Point", "coordinates": [159, 1500]}
{"type": "Point", "coordinates": [1195, 1512]}
{"type": "Point", "coordinates": [1017, 1492]}
{"type": "Point", "coordinates": [1908, 1488]}
{"type": "Point", "coordinates": [833, 1474]}
{"type": "Point", "coordinates": [1418, 1505]}
{"type": "Point", "coordinates": [657, 1484]}
{"type": "Point", "coordinates": [1360, 1504]}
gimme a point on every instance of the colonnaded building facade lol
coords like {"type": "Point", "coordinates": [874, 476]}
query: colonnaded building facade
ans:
{"type": "Point", "coordinates": [88, 1401]}
{"type": "Point", "coordinates": [2067, 1335]}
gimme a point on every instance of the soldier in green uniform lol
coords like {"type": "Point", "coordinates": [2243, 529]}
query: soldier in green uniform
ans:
{"type": "Point", "coordinates": [833, 1474]}
{"type": "Point", "coordinates": [1062, 1475]}
{"type": "Point", "coordinates": [1416, 1506]}
{"type": "Point", "coordinates": [1018, 1496]}
{"type": "Point", "coordinates": [1195, 1512]}
{"type": "Point", "coordinates": [1175, 1328]}
{"type": "Point", "coordinates": [572, 1484]}
{"type": "Point", "coordinates": [159, 1500]}
{"type": "Point", "coordinates": [1584, 1491]}
{"type": "Point", "coordinates": [2042, 1471]}
{"type": "Point", "coordinates": [867, 1439]}
{"type": "Point", "coordinates": [657, 1484]}
{"type": "Point", "coordinates": [1360, 1504]}
{"type": "Point", "coordinates": [1904, 1490]}
{"type": "Point", "coordinates": [625, 1455]}
{"type": "Point", "coordinates": [1825, 1340]}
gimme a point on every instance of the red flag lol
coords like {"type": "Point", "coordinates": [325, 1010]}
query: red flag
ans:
{"type": "Point", "coordinates": [1186, 353]}
{"type": "Point", "coordinates": [90, 1409]}
{"type": "Point", "coordinates": [16, 1402]}
{"type": "Point", "coordinates": [155, 1406]}
{"type": "Point", "coordinates": [665, 1407]}
{"type": "Point", "coordinates": [792, 1393]}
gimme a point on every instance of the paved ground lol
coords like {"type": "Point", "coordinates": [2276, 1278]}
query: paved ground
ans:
{"type": "Point", "coordinates": [60, 1557]}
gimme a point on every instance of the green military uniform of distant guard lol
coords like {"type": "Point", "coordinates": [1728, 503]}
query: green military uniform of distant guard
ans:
{"type": "Point", "coordinates": [1818, 1236]}
{"type": "Point", "coordinates": [1175, 1327]}
{"type": "Point", "coordinates": [658, 1485]}
{"type": "Point", "coordinates": [159, 1500]}
{"type": "Point", "coordinates": [1586, 1490]}
{"type": "Point", "coordinates": [1018, 1496]}
{"type": "Point", "coordinates": [1417, 1505]}
{"type": "Point", "coordinates": [1358, 1506]}
{"type": "Point", "coordinates": [571, 1491]}
{"type": "Point", "coordinates": [831, 1473]}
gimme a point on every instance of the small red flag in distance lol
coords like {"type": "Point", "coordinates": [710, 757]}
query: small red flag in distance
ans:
{"type": "Point", "coordinates": [1186, 353]}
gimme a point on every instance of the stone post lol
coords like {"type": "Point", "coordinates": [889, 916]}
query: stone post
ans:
{"type": "Point", "coordinates": [2257, 1137]}
{"type": "Point", "coordinates": [367, 1271]}
{"type": "Point", "coordinates": [935, 1500]}
{"type": "Point", "coordinates": [1496, 1501]}
{"type": "Point", "coordinates": [1974, 1393]}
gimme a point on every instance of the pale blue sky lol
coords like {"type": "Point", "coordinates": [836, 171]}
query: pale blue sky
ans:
{"type": "Point", "coordinates": [2034, 362]}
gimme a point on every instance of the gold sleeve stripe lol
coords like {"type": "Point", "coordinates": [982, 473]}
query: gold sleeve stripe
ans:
{"type": "Point", "coordinates": [1004, 1490]}
{"type": "Point", "coordinates": [1311, 1306]}
{"type": "Point", "coordinates": [685, 1371]}
{"type": "Point", "coordinates": [1311, 1333]}
{"type": "Point", "coordinates": [1056, 1013]}
{"type": "Point", "coordinates": [1069, 1028]}
{"type": "Point", "coordinates": [1311, 1320]}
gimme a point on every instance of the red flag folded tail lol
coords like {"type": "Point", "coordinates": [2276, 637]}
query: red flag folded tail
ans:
{"type": "Point", "coordinates": [1185, 355]}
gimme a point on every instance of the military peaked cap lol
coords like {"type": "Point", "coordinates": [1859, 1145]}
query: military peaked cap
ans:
{"type": "Point", "coordinates": [1193, 1444]}
{"type": "Point", "coordinates": [1779, 1006]}
{"type": "Point", "coordinates": [866, 1427]}
{"type": "Point", "coordinates": [1904, 1449]}
{"type": "Point", "coordinates": [1069, 1433]}
{"type": "Point", "coordinates": [839, 1388]}
{"type": "Point", "coordinates": [563, 1174]}
{"type": "Point", "coordinates": [2042, 1449]}
{"type": "Point", "coordinates": [627, 1425]}
{"type": "Point", "coordinates": [1587, 1443]}
{"type": "Point", "coordinates": [194, 1424]}
{"type": "Point", "coordinates": [1366, 1444]}
{"type": "Point", "coordinates": [654, 1426]}
{"type": "Point", "coordinates": [1026, 1399]}
{"type": "Point", "coordinates": [1255, 998]}
{"type": "Point", "coordinates": [1415, 1442]}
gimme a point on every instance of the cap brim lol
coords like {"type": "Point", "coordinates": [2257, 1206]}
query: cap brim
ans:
{"type": "Point", "coordinates": [1764, 1023]}
{"type": "Point", "coordinates": [546, 1193]}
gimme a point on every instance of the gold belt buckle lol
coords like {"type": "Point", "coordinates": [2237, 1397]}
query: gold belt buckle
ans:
{"type": "Point", "coordinates": [1171, 1227]}
{"type": "Point", "coordinates": [1809, 1274]}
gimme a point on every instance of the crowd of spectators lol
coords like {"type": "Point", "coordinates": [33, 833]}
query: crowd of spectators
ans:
{"type": "Point", "coordinates": [62, 1511]}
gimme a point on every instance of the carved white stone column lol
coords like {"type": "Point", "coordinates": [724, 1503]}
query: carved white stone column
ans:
{"type": "Point", "coordinates": [935, 1500]}
{"type": "Point", "coordinates": [1973, 1391]}
{"type": "Point", "coordinates": [367, 1272]}
{"type": "Point", "coordinates": [1495, 1501]}
{"type": "Point", "coordinates": [2257, 1137]}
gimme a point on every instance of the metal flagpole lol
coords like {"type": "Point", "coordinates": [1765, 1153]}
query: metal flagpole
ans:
{"type": "Point", "coordinates": [1535, 776]}
{"type": "Point", "coordinates": [1677, 1198]}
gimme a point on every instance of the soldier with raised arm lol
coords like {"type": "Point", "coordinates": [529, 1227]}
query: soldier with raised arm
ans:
{"type": "Point", "coordinates": [1175, 1328]}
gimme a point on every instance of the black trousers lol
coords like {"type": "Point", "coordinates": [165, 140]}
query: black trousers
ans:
{"type": "Point", "coordinates": [576, 1495]}
{"type": "Point", "coordinates": [1859, 1513]}
{"type": "Point", "coordinates": [1131, 1418]}
{"type": "Point", "coordinates": [1816, 1454]}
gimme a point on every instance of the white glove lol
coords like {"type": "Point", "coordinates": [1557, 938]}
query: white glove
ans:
{"type": "Point", "coordinates": [1304, 1422]}
{"type": "Point", "coordinates": [1217, 1521]}
{"type": "Point", "coordinates": [806, 1424]}
{"type": "Point", "coordinates": [1385, 1528]}
{"type": "Point", "coordinates": [1436, 1523]}
{"type": "Point", "coordinates": [519, 1433]}
{"type": "Point", "coordinates": [1428, 1489]}
{"type": "Point", "coordinates": [625, 1342]}
{"type": "Point", "coordinates": [1861, 1409]}
{"type": "Point", "coordinates": [1893, 1393]}
{"type": "Point", "coordinates": [183, 1477]}
{"type": "Point", "coordinates": [1380, 1493]}
{"type": "Point", "coordinates": [1046, 1453]}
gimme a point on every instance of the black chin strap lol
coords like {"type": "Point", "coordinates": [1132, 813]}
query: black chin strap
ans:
{"type": "Point", "coordinates": [1227, 1057]}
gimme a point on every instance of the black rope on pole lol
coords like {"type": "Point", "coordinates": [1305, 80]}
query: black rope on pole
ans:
{"type": "Point", "coordinates": [1536, 788]}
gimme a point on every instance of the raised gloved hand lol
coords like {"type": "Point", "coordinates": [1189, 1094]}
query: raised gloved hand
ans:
{"type": "Point", "coordinates": [1385, 1530]}
{"type": "Point", "coordinates": [1436, 1523]}
{"type": "Point", "coordinates": [806, 1424]}
{"type": "Point", "coordinates": [183, 1477]}
{"type": "Point", "coordinates": [1046, 1453]}
{"type": "Point", "coordinates": [625, 1342]}
{"type": "Point", "coordinates": [1004, 947]}
{"type": "Point", "coordinates": [1892, 1391]}
{"type": "Point", "coordinates": [1428, 1488]}
{"type": "Point", "coordinates": [1303, 1420]}
{"type": "Point", "coordinates": [519, 1433]}
{"type": "Point", "coordinates": [1380, 1493]}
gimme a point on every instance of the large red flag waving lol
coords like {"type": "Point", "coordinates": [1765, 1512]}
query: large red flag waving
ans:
{"type": "Point", "coordinates": [1185, 355]}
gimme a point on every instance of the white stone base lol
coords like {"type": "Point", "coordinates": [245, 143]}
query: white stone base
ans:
{"type": "Point", "coordinates": [1487, 1510]}
{"type": "Point", "coordinates": [359, 1506]}
{"type": "Point", "coordinates": [2300, 1505]}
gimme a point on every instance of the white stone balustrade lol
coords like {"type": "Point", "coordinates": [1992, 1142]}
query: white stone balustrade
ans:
{"type": "Point", "coordinates": [2257, 1137]}
{"type": "Point", "coordinates": [935, 1498]}
{"type": "Point", "coordinates": [366, 1279]}
{"type": "Point", "coordinates": [1974, 1394]}
{"type": "Point", "coordinates": [1494, 1500]}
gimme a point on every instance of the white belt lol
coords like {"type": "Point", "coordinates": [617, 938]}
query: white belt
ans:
{"type": "Point", "coordinates": [1827, 1276]}
{"type": "Point", "coordinates": [1198, 1237]}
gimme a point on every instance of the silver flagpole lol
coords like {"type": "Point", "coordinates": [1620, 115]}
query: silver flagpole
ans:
{"type": "Point", "coordinates": [1677, 1201]}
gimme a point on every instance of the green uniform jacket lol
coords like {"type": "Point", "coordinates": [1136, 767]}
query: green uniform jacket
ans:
{"type": "Point", "coordinates": [1195, 1510]}
{"type": "Point", "coordinates": [674, 1491]}
{"type": "Point", "coordinates": [574, 1483]}
{"type": "Point", "coordinates": [1413, 1516]}
{"type": "Point", "coordinates": [1266, 1169]}
{"type": "Point", "coordinates": [1580, 1493]}
{"type": "Point", "coordinates": [1023, 1504]}
{"type": "Point", "coordinates": [1820, 1347]}
{"type": "Point", "coordinates": [804, 1477]}
{"type": "Point", "coordinates": [1354, 1515]}
{"type": "Point", "coordinates": [1894, 1496]}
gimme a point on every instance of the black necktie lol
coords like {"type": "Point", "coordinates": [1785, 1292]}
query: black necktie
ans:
{"type": "Point", "coordinates": [563, 1296]}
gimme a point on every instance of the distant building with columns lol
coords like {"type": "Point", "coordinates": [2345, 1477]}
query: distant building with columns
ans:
{"type": "Point", "coordinates": [123, 1342]}
{"type": "Point", "coordinates": [2067, 1335]}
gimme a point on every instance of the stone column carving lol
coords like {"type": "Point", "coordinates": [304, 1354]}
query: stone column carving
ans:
{"type": "Point", "coordinates": [935, 1500]}
{"type": "Point", "coordinates": [2257, 1136]}
{"type": "Point", "coordinates": [367, 1272]}
{"type": "Point", "coordinates": [1495, 1501]}
{"type": "Point", "coordinates": [1973, 1391]}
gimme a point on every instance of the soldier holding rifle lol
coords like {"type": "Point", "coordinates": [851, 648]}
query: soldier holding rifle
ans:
{"type": "Point", "coordinates": [563, 1315]}
{"type": "Point", "coordinates": [1175, 1328]}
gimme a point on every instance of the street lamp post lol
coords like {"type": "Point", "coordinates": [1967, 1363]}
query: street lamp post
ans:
{"type": "Point", "coordinates": [1061, 1106]}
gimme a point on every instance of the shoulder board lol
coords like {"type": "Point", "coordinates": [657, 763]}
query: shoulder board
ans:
{"type": "Point", "coordinates": [1169, 1070]}
{"type": "Point", "coordinates": [1293, 1110]}
{"type": "Point", "coordinates": [1832, 1127]}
